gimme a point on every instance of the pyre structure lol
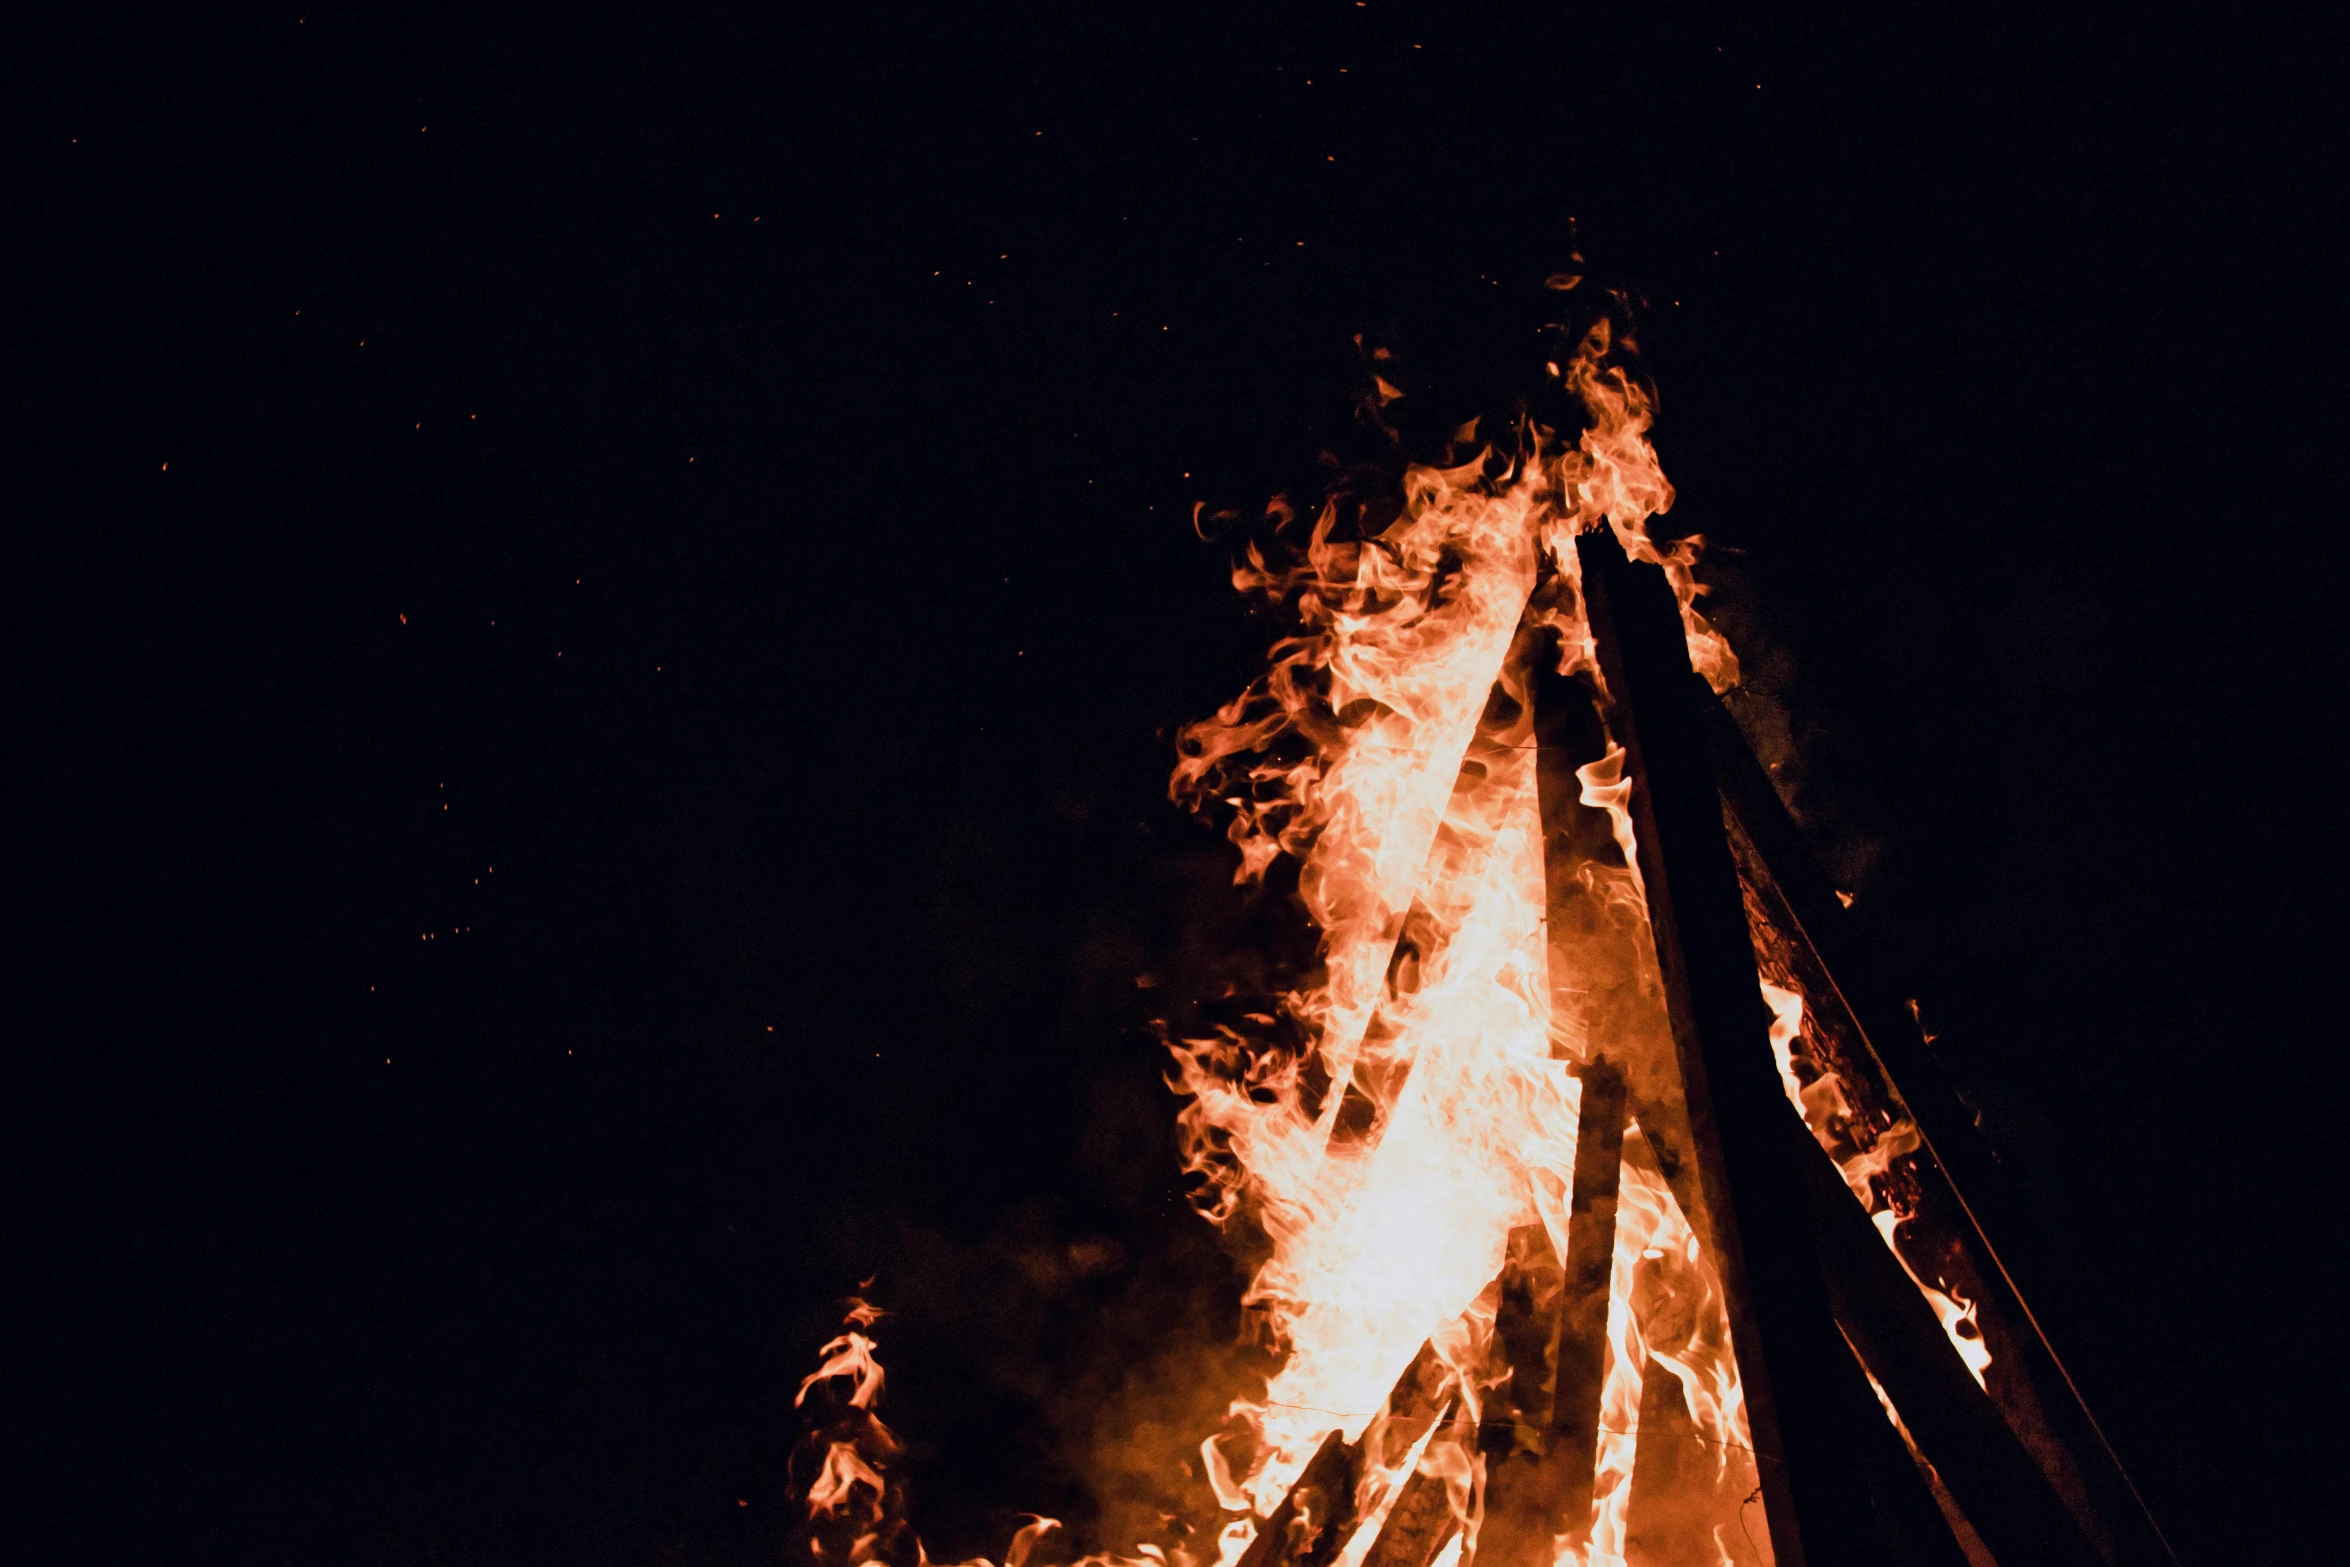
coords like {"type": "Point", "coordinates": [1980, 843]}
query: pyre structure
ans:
{"type": "Point", "coordinates": [1876, 1437]}
{"type": "Point", "coordinates": [1593, 1117]}
{"type": "Point", "coordinates": [1827, 1309]}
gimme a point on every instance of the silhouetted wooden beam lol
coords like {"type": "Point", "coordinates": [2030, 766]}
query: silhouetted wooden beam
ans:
{"type": "Point", "coordinates": [1805, 1397]}
{"type": "Point", "coordinates": [1889, 1029]}
{"type": "Point", "coordinates": [1513, 1430]}
{"type": "Point", "coordinates": [1999, 1216]}
{"type": "Point", "coordinates": [1960, 1431]}
{"type": "Point", "coordinates": [1568, 735]}
{"type": "Point", "coordinates": [1664, 1519]}
{"type": "Point", "coordinates": [1909, 1517]}
{"type": "Point", "coordinates": [1580, 1357]}
{"type": "Point", "coordinates": [1999, 1228]}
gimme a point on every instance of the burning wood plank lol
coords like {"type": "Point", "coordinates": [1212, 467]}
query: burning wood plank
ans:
{"type": "Point", "coordinates": [1312, 1523]}
{"type": "Point", "coordinates": [1804, 1396]}
{"type": "Point", "coordinates": [1513, 1431]}
{"type": "Point", "coordinates": [1960, 1185]}
{"type": "Point", "coordinates": [1412, 1410]}
{"type": "Point", "coordinates": [1956, 1426]}
{"type": "Point", "coordinates": [1580, 1357]}
{"type": "Point", "coordinates": [1314, 1519]}
{"type": "Point", "coordinates": [1421, 1521]}
{"type": "Point", "coordinates": [1368, 1083]}
{"type": "Point", "coordinates": [1667, 1518]}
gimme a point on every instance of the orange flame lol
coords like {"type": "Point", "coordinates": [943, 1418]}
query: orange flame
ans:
{"type": "Point", "coordinates": [850, 1355]}
{"type": "Point", "coordinates": [1408, 1124]}
{"type": "Point", "coordinates": [1411, 807]}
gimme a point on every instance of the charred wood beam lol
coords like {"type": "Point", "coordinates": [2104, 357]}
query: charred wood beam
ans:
{"type": "Point", "coordinates": [1909, 1516]}
{"type": "Point", "coordinates": [1359, 1120]}
{"type": "Point", "coordinates": [1513, 1433]}
{"type": "Point", "coordinates": [1413, 1408]}
{"type": "Point", "coordinates": [1805, 1397]}
{"type": "Point", "coordinates": [1568, 734]}
{"type": "Point", "coordinates": [2031, 1389]}
{"type": "Point", "coordinates": [1661, 1527]}
{"type": "Point", "coordinates": [1892, 1035]}
{"type": "Point", "coordinates": [1418, 1525]}
{"type": "Point", "coordinates": [1314, 1519]}
{"type": "Point", "coordinates": [1581, 1354]}
{"type": "Point", "coordinates": [2003, 1234]}
{"type": "Point", "coordinates": [1956, 1426]}
{"type": "Point", "coordinates": [1970, 1543]}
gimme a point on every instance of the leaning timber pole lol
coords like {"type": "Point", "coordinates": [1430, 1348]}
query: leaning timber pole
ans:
{"type": "Point", "coordinates": [1805, 1397]}
{"type": "Point", "coordinates": [2039, 1390]}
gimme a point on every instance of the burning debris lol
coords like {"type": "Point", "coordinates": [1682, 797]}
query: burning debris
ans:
{"type": "Point", "coordinates": [1594, 1214]}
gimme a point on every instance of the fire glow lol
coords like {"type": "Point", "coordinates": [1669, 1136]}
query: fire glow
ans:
{"type": "Point", "coordinates": [1408, 1126]}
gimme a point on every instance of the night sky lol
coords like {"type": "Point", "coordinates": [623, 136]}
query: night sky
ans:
{"type": "Point", "coordinates": [601, 596]}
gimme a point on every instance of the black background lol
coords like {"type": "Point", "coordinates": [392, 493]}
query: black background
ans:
{"type": "Point", "coordinates": [729, 470]}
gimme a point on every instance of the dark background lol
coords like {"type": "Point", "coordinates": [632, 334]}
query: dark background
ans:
{"type": "Point", "coordinates": [729, 469]}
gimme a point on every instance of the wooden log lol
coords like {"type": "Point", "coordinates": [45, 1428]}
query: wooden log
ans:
{"type": "Point", "coordinates": [1891, 1034]}
{"type": "Point", "coordinates": [1570, 734]}
{"type": "Point", "coordinates": [1955, 1424]}
{"type": "Point", "coordinates": [1419, 1523]}
{"type": "Point", "coordinates": [1416, 1403]}
{"type": "Point", "coordinates": [1604, 988]}
{"type": "Point", "coordinates": [1580, 1356]}
{"type": "Point", "coordinates": [1513, 1433]}
{"type": "Point", "coordinates": [1804, 1395]}
{"type": "Point", "coordinates": [2005, 1241]}
{"type": "Point", "coordinates": [1368, 1090]}
{"type": "Point", "coordinates": [1664, 1523]}
{"type": "Point", "coordinates": [1314, 1519]}
{"type": "Point", "coordinates": [1417, 1527]}
{"type": "Point", "coordinates": [1909, 1517]}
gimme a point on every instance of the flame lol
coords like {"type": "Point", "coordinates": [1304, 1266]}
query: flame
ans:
{"type": "Point", "coordinates": [1832, 1118]}
{"type": "Point", "coordinates": [1389, 749]}
{"type": "Point", "coordinates": [835, 1487]}
{"type": "Point", "coordinates": [1402, 1125]}
{"type": "Point", "coordinates": [851, 1356]}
